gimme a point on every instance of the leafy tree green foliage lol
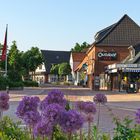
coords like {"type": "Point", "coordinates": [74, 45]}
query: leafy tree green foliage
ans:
{"type": "Point", "coordinates": [1, 46]}
{"type": "Point", "coordinates": [80, 48]}
{"type": "Point", "coordinates": [14, 57]}
{"type": "Point", "coordinates": [64, 69]}
{"type": "Point", "coordinates": [32, 58]}
{"type": "Point", "coordinates": [21, 63]}
{"type": "Point", "coordinates": [15, 65]}
{"type": "Point", "coordinates": [55, 69]}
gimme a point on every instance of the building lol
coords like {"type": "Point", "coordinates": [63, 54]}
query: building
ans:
{"type": "Point", "coordinates": [75, 60]}
{"type": "Point", "coordinates": [110, 46]}
{"type": "Point", "coordinates": [42, 73]}
{"type": "Point", "coordinates": [127, 70]}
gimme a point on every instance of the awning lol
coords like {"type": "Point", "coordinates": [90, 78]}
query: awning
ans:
{"type": "Point", "coordinates": [131, 70]}
{"type": "Point", "coordinates": [112, 71]}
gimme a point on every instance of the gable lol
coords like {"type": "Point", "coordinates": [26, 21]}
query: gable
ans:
{"type": "Point", "coordinates": [137, 48]}
{"type": "Point", "coordinates": [125, 33]}
{"type": "Point", "coordinates": [78, 57]}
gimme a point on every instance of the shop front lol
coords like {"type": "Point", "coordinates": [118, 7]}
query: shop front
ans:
{"type": "Point", "coordinates": [124, 76]}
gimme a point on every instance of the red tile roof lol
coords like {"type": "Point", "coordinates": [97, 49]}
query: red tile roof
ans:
{"type": "Point", "coordinates": [78, 56]}
{"type": "Point", "coordinates": [84, 61]}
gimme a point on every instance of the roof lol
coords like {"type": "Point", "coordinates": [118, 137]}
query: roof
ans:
{"type": "Point", "coordinates": [81, 64]}
{"type": "Point", "coordinates": [123, 33]}
{"type": "Point", "coordinates": [100, 34]}
{"type": "Point", "coordinates": [137, 48]}
{"type": "Point", "coordinates": [78, 56]}
{"type": "Point", "coordinates": [136, 57]}
{"type": "Point", "coordinates": [134, 60]}
{"type": "Point", "coordinates": [54, 57]}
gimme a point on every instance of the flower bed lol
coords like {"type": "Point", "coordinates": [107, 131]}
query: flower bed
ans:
{"type": "Point", "coordinates": [54, 119]}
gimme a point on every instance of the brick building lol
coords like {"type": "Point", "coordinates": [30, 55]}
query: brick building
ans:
{"type": "Point", "coordinates": [110, 46]}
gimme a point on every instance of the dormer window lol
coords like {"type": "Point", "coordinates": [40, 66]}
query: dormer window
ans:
{"type": "Point", "coordinates": [57, 57]}
{"type": "Point", "coordinates": [132, 52]}
{"type": "Point", "coordinates": [40, 67]}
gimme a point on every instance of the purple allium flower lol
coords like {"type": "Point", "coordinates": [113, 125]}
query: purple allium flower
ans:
{"type": "Point", "coordinates": [43, 128]}
{"type": "Point", "coordinates": [4, 97]}
{"type": "Point", "coordinates": [79, 105]}
{"type": "Point", "coordinates": [71, 121]}
{"type": "Point", "coordinates": [54, 96]}
{"type": "Point", "coordinates": [138, 116]}
{"type": "Point", "coordinates": [52, 113]}
{"type": "Point", "coordinates": [100, 98]}
{"type": "Point", "coordinates": [89, 107]}
{"type": "Point", "coordinates": [27, 104]}
{"type": "Point", "coordinates": [31, 118]}
{"type": "Point", "coordinates": [4, 106]}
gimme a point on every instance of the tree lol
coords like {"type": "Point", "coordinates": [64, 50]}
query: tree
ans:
{"type": "Point", "coordinates": [80, 48]}
{"type": "Point", "coordinates": [14, 57]}
{"type": "Point", "coordinates": [14, 63]}
{"type": "Point", "coordinates": [32, 59]}
{"type": "Point", "coordinates": [55, 69]}
{"type": "Point", "coordinates": [64, 69]}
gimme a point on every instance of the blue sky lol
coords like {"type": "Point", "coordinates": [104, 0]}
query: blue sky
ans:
{"type": "Point", "coordinates": [59, 24]}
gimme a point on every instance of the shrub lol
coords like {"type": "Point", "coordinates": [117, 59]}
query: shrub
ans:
{"type": "Point", "coordinates": [15, 85]}
{"type": "Point", "coordinates": [3, 83]}
{"type": "Point", "coordinates": [14, 76]}
{"type": "Point", "coordinates": [30, 83]}
{"type": "Point", "coordinates": [10, 130]}
{"type": "Point", "coordinates": [123, 130]}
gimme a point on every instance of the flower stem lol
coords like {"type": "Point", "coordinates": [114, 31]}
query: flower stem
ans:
{"type": "Point", "coordinates": [69, 136]}
{"type": "Point", "coordinates": [81, 135]}
{"type": "Point", "coordinates": [1, 114]}
{"type": "Point", "coordinates": [98, 117]}
{"type": "Point", "coordinates": [43, 138]}
{"type": "Point", "coordinates": [89, 130]}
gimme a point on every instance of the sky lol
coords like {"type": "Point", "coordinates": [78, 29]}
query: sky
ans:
{"type": "Point", "coordinates": [59, 24]}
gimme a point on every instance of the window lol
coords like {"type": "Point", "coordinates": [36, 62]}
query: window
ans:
{"type": "Point", "coordinates": [40, 67]}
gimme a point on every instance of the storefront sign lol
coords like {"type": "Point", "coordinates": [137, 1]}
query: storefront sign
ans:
{"type": "Point", "coordinates": [107, 56]}
{"type": "Point", "coordinates": [127, 65]}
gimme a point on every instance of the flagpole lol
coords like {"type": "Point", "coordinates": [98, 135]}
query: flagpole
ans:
{"type": "Point", "coordinates": [7, 87]}
{"type": "Point", "coordinates": [6, 52]}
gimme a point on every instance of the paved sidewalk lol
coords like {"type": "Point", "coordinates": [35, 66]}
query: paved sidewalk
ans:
{"type": "Point", "coordinates": [115, 98]}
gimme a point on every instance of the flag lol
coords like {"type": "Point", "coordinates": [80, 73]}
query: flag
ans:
{"type": "Point", "coordinates": [4, 50]}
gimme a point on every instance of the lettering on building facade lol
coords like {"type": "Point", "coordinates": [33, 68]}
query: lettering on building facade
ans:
{"type": "Point", "coordinates": [107, 56]}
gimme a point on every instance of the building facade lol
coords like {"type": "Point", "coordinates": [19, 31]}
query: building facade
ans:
{"type": "Point", "coordinates": [110, 46]}
{"type": "Point", "coordinates": [42, 73]}
{"type": "Point", "coordinates": [127, 70]}
{"type": "Point", "coordinates": [75, 60]}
